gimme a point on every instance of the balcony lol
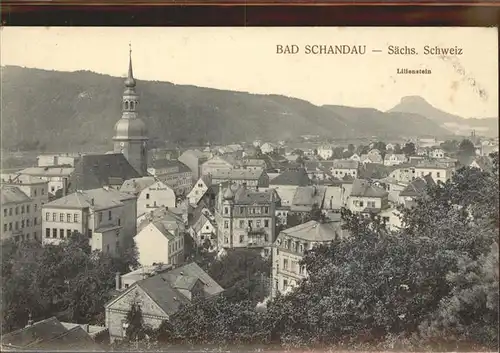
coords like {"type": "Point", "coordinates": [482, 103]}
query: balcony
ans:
{"type": "Point", "coordinates": [256, 231]}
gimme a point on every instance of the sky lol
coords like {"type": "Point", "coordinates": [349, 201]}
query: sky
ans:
{"type": "Point", "coordinates": [245, 59]}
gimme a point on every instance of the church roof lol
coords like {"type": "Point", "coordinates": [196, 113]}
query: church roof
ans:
{"type": "Point", "coordinates": [94, 171]}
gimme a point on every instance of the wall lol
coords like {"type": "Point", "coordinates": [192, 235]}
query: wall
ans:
{"type": "Point", "coordinates": [62, 224]}
{"type": "Point", "coordinates": [160, 195]}
{"type": "Point", "coordinates": [152, 245]}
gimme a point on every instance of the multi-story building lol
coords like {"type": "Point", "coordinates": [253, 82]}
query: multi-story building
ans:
{"type": "Point", "coordinates": [22, 200]}
{"type": "Point", "coordinates": [367, 198]}
{"type": "Point", "coordinates": [194, 159]}
{"type": "Point", "coordinates": [440, 172]}
{"type": "Point", "coordinates": [217, 164]}
{"type": "Point", "coordinates": [437, 153]}
{"type": "Point", "coordinates": [105, 215]}
{"type": "Point", "coordinates": [246, 218]}
{"type": "Point", "coordinates": [150, 192]}
{"type": "Point", "coordinates": [391, 159]}
{"type": "Point", "coordinates": [173, 173]}
{"type": "Point", "coordinates": [325, 152]}
{"type": "Point", "coordinates": [60, 160]}
{"type": "Point", "coordinates": [290, 247]}
{"type": "Point", "coordinates": [287, 183]}
{"type": "Point", "coordinates": [251, 178]}
{"type": "Point", "coordinates": [56, 176]}
{"type": "Point", "coordinates": [342, 167]}
{"type": "Point", "coordinates": [161, 241]}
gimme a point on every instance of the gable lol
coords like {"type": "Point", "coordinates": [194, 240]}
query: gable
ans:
{"type": "Point", "coordinates": [136, 294]}
{"type": "Point", "coordinates": [150, 234]}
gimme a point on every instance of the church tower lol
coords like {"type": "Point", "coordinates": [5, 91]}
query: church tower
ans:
{"type": "Point", "coordinates": [131, 137]}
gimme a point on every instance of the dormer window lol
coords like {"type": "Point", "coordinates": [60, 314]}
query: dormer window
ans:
{"type": "Point", "coordinates": [126, 105]}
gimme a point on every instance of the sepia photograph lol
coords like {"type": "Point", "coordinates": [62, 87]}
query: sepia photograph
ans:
{"type": "Point", "coordinates": [249, 189]}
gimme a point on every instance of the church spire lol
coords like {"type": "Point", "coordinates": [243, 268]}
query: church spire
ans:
{"type": "Point", "coordinates": [130, 81]}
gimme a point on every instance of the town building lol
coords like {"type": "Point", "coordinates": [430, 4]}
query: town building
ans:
{"type": "Point", "coordinates": [251, 178]}
{"type": "Point", "coordinates": [150, 192]}
{"type": "Point", "coordinates": [175, 174]}
{"type": "Point", "coordinates": [56, 176]}
{"type": "Point", "coordinates": [437, 153]}
{"type": "Point", "coordinates": [160, 296]}
{"type": "Point", "coordinates": [61, 160]}
{"type": "Point", "coordinates": [440, 172]}
{"type": "Point", "coordinates": [307, 198]}
{"type": "Point", "coordinates": [325, 152]}
{"type": "Point", "coordinates": [367, 198]}
{"type": "Point", "coordinates": [217, 164]}
{"type": "Point", "coordinates": [290, 247]}
{"type": "Point", "coordinates": [203, 228]}
{"type": "Point", "coordinates": [199, 190]}
{"type": "Point", "coordinates": [342, 167]}
{"type": "Point", "coordinates": [287, 183]}
{"type": "Point", "coordinates": [22, 198]}
{"type": "Point", "coordinates": [246, 218]}
{"type": "Point", "coordinates": [392, 159]}
{"type": "Point", "coordinates": [161, 241]}
{"type": "Point", "coordinates": [53, 335]}
{"type": "Point", "coordinates": [105, 215]}
{"type": "Point", "coordinates": [194, 159]}
{"type": "Point", "coordinates": [414, 190]}
{"type": "Point", "coordinates": [131, 136]}
{"type": "Point", "coordinates": [95, 171]}
{"type": "Point", "coordinates": [268, 147]}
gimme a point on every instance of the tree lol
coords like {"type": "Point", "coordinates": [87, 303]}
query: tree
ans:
{"type": "Point", "coordinates": [449, 146]}
{"type": "Point", "coordinates": [466, 149]}
{"type": "Point", "coordinates": [362, 149]}
{"type": "Point", "coordinates": [398, 149]}
{"type": "Point", "coordinates": [242, 272]}
{"type": "Point", "coordinates": [136, 330]}
{"type": "Point", "coordinates": [409, 149]}
{"type": "Point", "coordinates": [351, 148]}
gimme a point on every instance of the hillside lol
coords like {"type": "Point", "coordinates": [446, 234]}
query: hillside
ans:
{"type": "Point", "coordinates": [454, 123]}
{"type": "Point", "coordinates": [56, 111]}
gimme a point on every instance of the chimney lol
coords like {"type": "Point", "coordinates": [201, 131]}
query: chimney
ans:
{"type": "Point", "coordinates": [118, 280]}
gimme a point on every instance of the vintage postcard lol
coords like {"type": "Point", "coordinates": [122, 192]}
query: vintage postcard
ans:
{"type": "Point", "coordinates": [259, 188]}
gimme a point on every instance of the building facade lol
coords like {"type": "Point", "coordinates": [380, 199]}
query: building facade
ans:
{"type": "Point", "coordinates": [246, 218]}
{"type": "Point", "coordinates": [22, 201]}
{"type": "Point", "coordinates": [105, 215]}
{"type": "Point", "coordinates": [150, 192]}
{"type": "Point", "coordinates": [175, 174]}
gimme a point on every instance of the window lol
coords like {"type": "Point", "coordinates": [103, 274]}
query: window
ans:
{"type": "Point", "coordinates": [257, 223]}
{"type": "Point", "coordinates": [54, 217]}
{"type": "Point", "coordinates": [226, 224]}
{"type": "Point", "coordinates": [75, 217]}
{"type": "Point", "coordinates": [100, 217]}
{"type": "Point", "coordinates": [52, 189]}
{"type": "Point", "coordinates": [147, 196]}
{"type": "Point", "coordinates": [109, 215]}
{"type": "Point", "coordinates": [10, 211]}
{"type": "Point", "coordinates": [22, 224]}
{"type": "Point", "coordinates": [250, 224]}
{"type": "Point", "coordinates": [17, 225]}
{"type": "Point", "coordinates": [119, 221]}
{"type": "Point", "coordinates": [285, 264]}
{"type": "Point", "coordinates": [54, 232]}
{"type": "Point", "coordinates": [61, 217]}
{"type": "Point", "coordinates": [242, 210]}
{"type": "Point", "coordinates": [27, 223]}
{"type": "Point", "coordinates": [438, 174]}
{"type": "Point", "coordinates": [242, 238]}
{"type": "Point", "coordinates": [200, 185]}
{"type": "Point", "coordinates": [226, 210]}
{"type": "Point", "coordinates": [301, 248]}
{"type": "Point", "coordinates": [68, 233]}
{"type": "Point", "coordinates": [47, 216]}
{"type": "Point", "coordinates": [226, 240]}
{"type": "Point", "coordinates": [107, 248]}
{"type": "Point", "coordinates": [43, 191]}
{"type": "Point", "coordinates": [242, 223]}
{"type": "Point", "coordinates": [34, 235]}
{"type": "Point", "coordinates": [22, 209]}
{"type": "Point", "coordinates": [10, 225]}
{"type": "Point", "coordinates": [266, 223]}
{"type": "Point", "coordinates": [27, 208]}
{"type": "Point", "coordinates": [35, 192]}
{"type": "Point", "coordinates": [68, 217]}
{"type": "Point", "coordinates": [285, 284]}
{"type": "Point", "coordinates": [61, 233]}
{"type": "Point", "coordinates": [17, 210]}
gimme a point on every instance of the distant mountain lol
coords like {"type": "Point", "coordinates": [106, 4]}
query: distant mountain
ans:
{"type": "Point", "coordinates": [67, 111]}
{"type": "Point", "coordinates": [454, 123]}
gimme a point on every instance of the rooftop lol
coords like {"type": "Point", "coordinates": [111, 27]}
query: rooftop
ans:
{"type": "Point", "coordinates": [292, 177]}
{"type": "Point", "coordinates": [315, 231]}
{"type": "Point", "coordinates": [362, 188]}
{"type": "Point", "coordinates": [97, 199]}
{"type": "Point", "coordinates": [12, 194]}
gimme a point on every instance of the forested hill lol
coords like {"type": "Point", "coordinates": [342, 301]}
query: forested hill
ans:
{"type": "Point", "coordinates": [56, 111]}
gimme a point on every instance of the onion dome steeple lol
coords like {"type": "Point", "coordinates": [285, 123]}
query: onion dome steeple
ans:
{"type": "Point", "coordinates": [130, 80]}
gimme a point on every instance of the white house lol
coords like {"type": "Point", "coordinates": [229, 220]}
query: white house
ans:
{"type": "Point", "coordinates": [437, 153]}
{"type": "Point", "coordinates": [325, 152]}
{"type": "Point", "coordinates": [199, 189]}
{"type": "Point", "coordinates": [367, 198]}
{"type": "Point", "coordinates": [161, 241]}
{"type": "Point", "coordinates": [391, 159]}
{"type": "Point", "coordinates": [268, 147]}
{"type": "Point", "coordinates": [150, 192]}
